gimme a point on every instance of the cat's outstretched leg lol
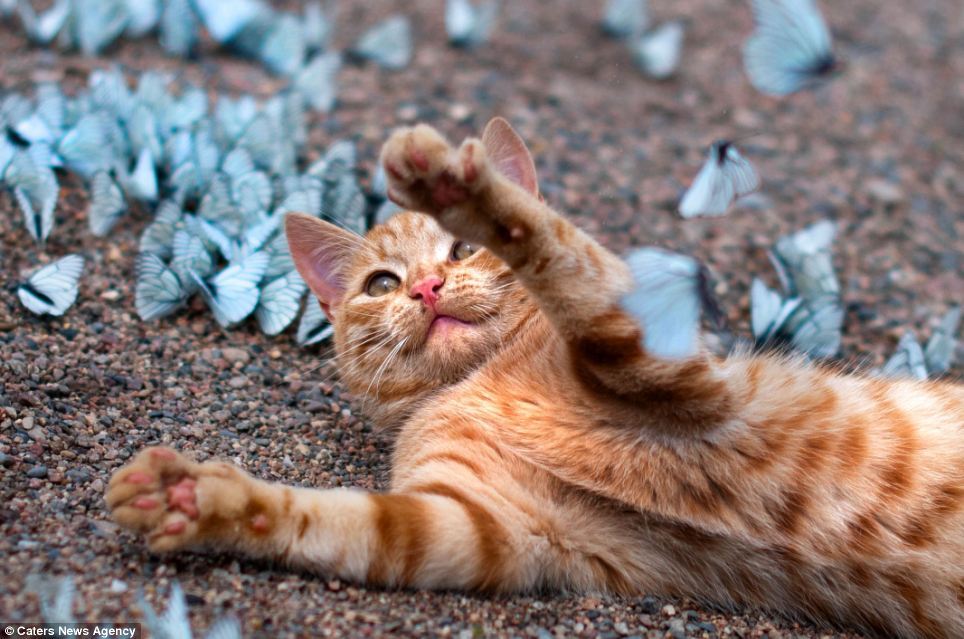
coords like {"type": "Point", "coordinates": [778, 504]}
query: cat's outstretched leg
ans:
{"type": "Point", "coordinates": [485, 192]}
{"type": "Point", "coordinates": [432, 535]}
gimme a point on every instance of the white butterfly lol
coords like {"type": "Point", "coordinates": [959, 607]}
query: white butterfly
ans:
{"type": "Point", "coordinates": [811, 327]}
{"type": "Point", "coordinates": [141, 183]}
{"type": "Point", "coordinates": [316, 25]}
{"type": "Point", "coordinates": [179, 27]}
{"type": "Point", "coordinates": [43, 28]}
{"type": "Point", "coordinates": [669, 291]}
{"type": "Point", "coordinates": [98, 23]}
{"type": "Point", "coordinates": [106, 204]}
{"type": "Point", "coordinates": [804, 263]}
{"type": "Point", "coordinates": [36, 190]}
{"type": "Point", "coordinates": [623, 18]}
{"type": "Point", "coordinates": [174, 623]}
{"type": "Point", "coordinates": [142, 17]}
{"type": "Point", "coordinates": [388, 43]}
{"type": "Point", "coordinates": [658, 52]}
{"type": "Point", "coordinates": [52, 289]}
{"type": "Point", "coordinates": [189, 255]}
{"type": "Point", "coordinates": [280, 302]}
{"type": "Point", "coordinates": [316, 81]}
{"type": "Point", "coordinates": [233, 293]}
{"type": "Point", "coordinates": [283, 50]}
{"type": "Point", "coordinates": [790, 48]}
{"type": "Point", "coordinates": [159, 290]}
{"type": "Point", "coordinates": [314, 326]}
{"type": "Point", "coordinates": [87, 147]}
{"type": "Point", "coordinates": [225, 21]}
{"type": "Point", "coordinates": [907, 360]}
{"type": "Point", "coordinates": [725, 176]}
{"type": "Point", "coordinates": [939, 353]}
{"type": "Point", "coordinates": [467, 25]}
{"type": "Point", "coordinates": [158, 236]}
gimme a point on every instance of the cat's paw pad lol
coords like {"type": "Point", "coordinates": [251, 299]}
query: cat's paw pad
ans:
{"type": "Point", "coordinates": [159, 495]}
{"type": "Point", "coordinates": [425, 173]}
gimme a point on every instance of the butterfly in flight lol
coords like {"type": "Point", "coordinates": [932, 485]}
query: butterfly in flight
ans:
{"type": "Point", "coordinates": [725, 176]}
{"type": "Point", "coordinates": [790, 49]}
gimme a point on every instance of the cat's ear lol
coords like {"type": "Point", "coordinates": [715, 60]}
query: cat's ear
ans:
{"type": "Point", "coordinates": [509, 154]}
{"type": "Point", "coordinates": [321, 252]}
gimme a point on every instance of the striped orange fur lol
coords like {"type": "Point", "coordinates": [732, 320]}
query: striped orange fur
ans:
{"type": "Point", "coordinates": [539, 446]}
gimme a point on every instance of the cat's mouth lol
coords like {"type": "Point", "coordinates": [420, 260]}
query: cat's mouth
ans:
{"type": "Point", "coordinates": [445, 323]}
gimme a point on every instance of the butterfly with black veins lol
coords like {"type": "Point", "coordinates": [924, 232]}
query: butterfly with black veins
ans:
{"type": "Point", "coordinates": [174, 622]}
{"type": "Point", "coordinates": [159, 290]}
{"type": "Point", "coordinates": [106, 204]}
{"type": "Point", "coordinates": [388, 44]}
{"type": "Point", "coordinates": [625, 18]}
{"type": "Point", "coordinates": [233, 293]}
{"type": "Point", "coordinates": [725, 176]}
{"type": "Point", "coordinates": [810, 327]}
{"type": "Point", "coordinates": [52, 289]}
{"type": "Point", "coordinates": [314, 326]}
{"type": "Point", "coordinates": [280, 302]}
{"type": "Point", "coordinates": [907, 360]}
{"type": "Point", "coordinates": [910, 360]}
{"type": "Point", "coordinates": [790, 49]}
{"type": "Point", "coordinates": [36, 190]}
{"type": "Point", "coordinates": [804, 263]}
{"type": "Point", "coordinates": [810, 319]}
{"type": "Point", "coordinates": [468, 25]}
{"type": "Point", "coordinates": [658, 52]}
{"type": "Point", "coordinates": [669, 293]}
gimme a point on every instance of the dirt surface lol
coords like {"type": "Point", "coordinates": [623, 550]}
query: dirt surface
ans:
{"type": "Point", "coordinates": [880, 149]}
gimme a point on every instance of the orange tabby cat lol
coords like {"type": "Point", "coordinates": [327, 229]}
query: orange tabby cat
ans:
{"type": "Point", "coordinates": [538, 445]}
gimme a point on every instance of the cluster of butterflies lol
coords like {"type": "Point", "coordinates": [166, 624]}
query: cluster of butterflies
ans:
{"type": "Point", "coordinates": [671, 291]}
{"type": "Point", "coordinates": [56, 597]}
{"type": "Point", "coordinates": [224, 178]}
{"type": "Point", "coordinates": [789, 50]}
{"type": "Point", "coordinates": [285, 43]}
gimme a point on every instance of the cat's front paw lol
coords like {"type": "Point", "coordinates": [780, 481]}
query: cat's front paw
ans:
{"type": "Point", "coordinates": [425, 173]}
{"type": "Point", "coordinates": [175, 502]}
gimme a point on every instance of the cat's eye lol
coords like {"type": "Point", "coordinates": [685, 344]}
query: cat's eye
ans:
{"type": "Point", "coordinates": [381, 283]}
{"type": "Point", "coordinates": [462, 250]}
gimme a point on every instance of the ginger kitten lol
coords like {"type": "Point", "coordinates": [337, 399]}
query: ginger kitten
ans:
{"type": "Point", "coordinates": [539, 447]}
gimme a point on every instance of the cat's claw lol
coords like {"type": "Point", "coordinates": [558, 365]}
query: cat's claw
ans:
{"type": "Point", "coordinates": [425, 173]}
{"type": "Point", "coordinates": [169, 498]}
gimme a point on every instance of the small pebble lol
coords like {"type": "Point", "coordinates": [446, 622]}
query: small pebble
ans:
{"type": "Point", "coordinates": [37, 472]}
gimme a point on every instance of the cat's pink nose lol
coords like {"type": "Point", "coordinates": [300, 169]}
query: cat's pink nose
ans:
{"type": "Point", "coordinates": [427, 290]}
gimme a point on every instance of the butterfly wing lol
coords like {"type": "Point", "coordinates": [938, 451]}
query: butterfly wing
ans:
{"type": "Point", "coordinates": [388, 43]}
{"type": "Point", "coordinates": [939, 353]}
{"type": "Point", "coordinates": [806, 257]}
{"type": "Point", "coordinates": [658, 53]}
{"type": "Point", "coordinates": [233, 293]}
{"type": "Point", "coordinates": [283, 51]}
{"type": "Point", "coordinates": [710, 193]}
{"type": "Point", "coordinates": [224, 628]}
{"type": "Point", "coordinates": [314, 326]}
{"type": "Point", "coordinates": [179, 28]}
{"type": "Point", "coordinates": [623, 18]}
{"type": "Point", "coordinates": [316, 82]}
{"type": "Point", "coordinates": [190, 255]}
{"type": "Point", "coordinates": [106, 204]}
{"type": "Point", "coordinates": [666, 301]}
{"type": "Point", "coordinates": [52, 289]}
{"type": "Point", "coordinates": [280, 302]}
{"type": "Point", "coordinates": [738, 171]}
{"type": "Point", "coordinates": [159, 291]}
{"type": "Point", "coordinates": [789, 48]}
{"type": "Point", "coordinates": [815, 327]}
{"type": "Point", "coordinates": [907, 360]}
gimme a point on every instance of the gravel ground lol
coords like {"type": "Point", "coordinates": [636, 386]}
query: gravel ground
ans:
{"type": "Point", "coordinates": [881, 150]}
